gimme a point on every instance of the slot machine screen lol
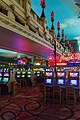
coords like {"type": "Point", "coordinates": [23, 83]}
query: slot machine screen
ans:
{"type": "Point", "coordinates": [18, 76]}
{"type": "Point", "coordinates": [6, 74]}
{"type": "Point", "coordinates": [74, 82]}
{"type": "Point", "coordinates": [60, 82]}
{"type": "Point", "coordinates": [18, 72]}
{"type": "Point", "coordinates": [48, 81]}
{"type": "Point", "coordinates": [5, 80]}
{"type": "Point", "coordinates": [23, 76]}
{"type": "Point", "coordinates": [60, 74]}
{"type": "Point", "coordinates": [49, 74]}
{"type": "Point", "coordinates": [28, 72]}
{"type": "Point", "coordinates": [23, 73]}
{"type": "Point", "coordinates": [38, 73]}
{"type": "Point", "coordinates": [73, 74]}
{"type": "Point", "coordinates": [28, 76]}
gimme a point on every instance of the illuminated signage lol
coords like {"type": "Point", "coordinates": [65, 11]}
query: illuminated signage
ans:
{"type": "Point", "coordinates": [68, 57]}
{"type": "Point", "coordinates": [61, 64]}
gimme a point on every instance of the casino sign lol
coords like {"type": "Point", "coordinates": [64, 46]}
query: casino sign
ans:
{"type": "Point", "coordinates": [72, 59]}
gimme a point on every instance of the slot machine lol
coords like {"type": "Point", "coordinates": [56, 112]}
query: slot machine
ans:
{"type": "Point", "coordinates": [48, 81]}
{"type": "Point", "coordinates": [29, 74]}
{"type": "Point", "coordinates": [23, 78]}
{"type": "Point", "coordinates": [18, 76]}
{"type": "Point", "coordinates": [6, 77]}
{"type": "Point", "coordinates": [48, 85]}
{"type": "Point", "coordinates": [73, 79]}
{"type": "Point", "coordinates": [23, 74]}
{"type": "Point", "coordinates": [5, 80]}
{"type": "Point", "coordinates": [38, 73]}
{"type": "Point", "coordinates": [61, 78]}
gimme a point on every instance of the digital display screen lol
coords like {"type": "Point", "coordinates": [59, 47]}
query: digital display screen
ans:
{"type": "Point", "coordinates": [23, 75]}
{"type": "Point", "coordinates": [23, 72]}
{"type": "Point", "coordinates": [48, 74]}
{"type": "Point", "coordinates": [74, 82]}
{"type": "Point", "coordinates": [38, 74]}
{"type": "Point", "coordinates": [6, 74]}
{"type": "Point", "coordinates": [5, 80]}
{"type": "Point", "coordinates": [18, 76]}
{"type": "Point", "coordinates": [18, 72]}
{"type": "Point", "coordinates": [73, 74]}
{"type": "Point", "coordinates": [60, 82]}
{"type": "Point", "coordinates": [28, 72]}
{"type": "Point", "coordinates": [28, 76]}
{"type": "Point", "coordinates": [60, 74]}
{"type": "Point", "coordinates": [48, 81]}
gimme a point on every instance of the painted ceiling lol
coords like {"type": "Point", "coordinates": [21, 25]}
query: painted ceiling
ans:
{"type": "Point", "coordinates": [67, 12]}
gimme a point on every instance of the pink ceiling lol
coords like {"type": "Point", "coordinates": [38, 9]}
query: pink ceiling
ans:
{"type": "Point", "coordinates": [12, 41]}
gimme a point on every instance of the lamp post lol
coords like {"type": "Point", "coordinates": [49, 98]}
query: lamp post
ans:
{"type": "Point", "coordinates": [58, 28]}
{"type": "Point", "coordinates": [52, 20]}
{"type": "Point", "coordinates": [54, 44]}
{"type": "Point", "coordinates": [43, 5]}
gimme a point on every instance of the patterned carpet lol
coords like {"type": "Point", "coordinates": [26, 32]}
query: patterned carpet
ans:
{"type": "Point", "coordinates": [28, 105]}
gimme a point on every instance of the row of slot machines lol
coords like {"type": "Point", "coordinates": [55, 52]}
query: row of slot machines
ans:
{"type": "Point", "coordinates": [28, 74]}
{"type": "Point", "coordinates": [5, 76]}
{"type": "Point", "coordinates": [73, 78]}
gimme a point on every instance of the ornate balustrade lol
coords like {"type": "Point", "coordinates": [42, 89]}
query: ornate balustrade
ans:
{"type": "Point", "coordinates": [26, 23]}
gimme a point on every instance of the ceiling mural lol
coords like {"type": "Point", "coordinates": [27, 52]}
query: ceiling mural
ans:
{"type": "Point", "coordinates": [67, 12]}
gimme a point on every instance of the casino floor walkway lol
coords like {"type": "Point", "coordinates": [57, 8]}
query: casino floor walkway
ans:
{"type": "Point", "coordinates": [27, 104]}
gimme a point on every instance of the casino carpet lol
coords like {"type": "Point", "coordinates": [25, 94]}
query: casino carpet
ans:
{"type": "Point", "coordinates": [28, 105]}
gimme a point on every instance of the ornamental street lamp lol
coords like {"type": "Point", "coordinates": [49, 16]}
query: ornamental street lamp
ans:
{"type": "Point", "coordinates": [43, 5]}
{"type": "Point", "coordinates": [63, 39]}
{"type": "Point", "coordinates": [54, 44]}
{"type": "Point", "coordinates": [58, 28]}
{"type": "Point", "coordinates": [52, 20]}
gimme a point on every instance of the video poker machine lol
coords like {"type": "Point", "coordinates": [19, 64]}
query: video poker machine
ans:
{"type": "Point", "coordinates": [6, 77]}
{"type": "Point", "coordinates": [73, 79]}
{"type": "Point", "coordinates": [61, 78]}
{"type": "Point", "coordinates": [48, 85]}
{"type": "Point", "coordinates": [4, 84]}
{"type": "Point", "coordinates": [48, 81]}
{"type": "Point", "coordinates": [18, 76]}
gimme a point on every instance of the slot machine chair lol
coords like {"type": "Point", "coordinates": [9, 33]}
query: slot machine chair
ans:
{"type": "Point", "coordinates": [70, 95]}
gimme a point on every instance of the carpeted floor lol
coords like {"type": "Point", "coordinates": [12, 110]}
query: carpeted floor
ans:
{"type": "Point", "coordinates": [28, 105]}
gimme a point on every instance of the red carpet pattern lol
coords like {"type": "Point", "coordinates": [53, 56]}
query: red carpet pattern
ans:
{"type": "Point", "coordinates": [28, 105]}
